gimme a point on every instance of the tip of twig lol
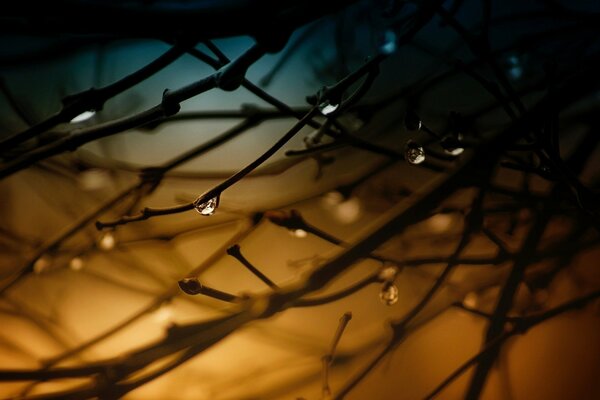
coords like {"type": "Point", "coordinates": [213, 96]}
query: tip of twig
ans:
{"type": "Point", "coordinates": [233, 250]}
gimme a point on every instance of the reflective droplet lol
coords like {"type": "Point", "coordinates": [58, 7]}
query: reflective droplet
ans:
{"type": "Point", "coordinates": [190, 285]}
{"type": "Point", "coordinates": [76, 263]}
{"type": "Point", "coordinates": [207, 208]}
{"type": "Point", "coordinates": [515, 73]}
{"type": "Point", "coordinates": [514, 67]}
{"type": "Point", "coordinates": [455, 152]}
{"type": "Point", "coordinates": [451, 145]}
{"type": "Point", "coordinates": [299, 233]}
{"type": "Point", "coordinates": [107, 241]}
{"type": "Point", "coordinates": [327, 108]}
{"type": "Point", "coordinates": [414, 153]}
{"type": "Point", "coordinates": [388, 274]}
{"type": "Point", "coordinates": [41, 264]}
{"type": "Point", "coordinates": [471, 300]}
{"type": "Point", "coordinates": [389, 42]}
{"type": "Point", "coordinates": [348, 211]}
{"type": "Point", "coordinates": [389, 294]}
{"type": "Point", "coordinates": [83, 116]}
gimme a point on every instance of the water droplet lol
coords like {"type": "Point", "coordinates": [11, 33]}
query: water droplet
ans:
{"type": "Point", "coordinates": [190, 285]}
{"type": "Point", "coordinates": [207, 208]}
{"type": "Point", "coordinates": [514, 67]}
{"type": "Point", "coordinates": [388, 274]}
{"type": "Point", "coordinates": [451, 145]}
{"type": "Point", "coordinates": [471, 300]}
{"type": "Point", "coordinates": [42, 264]}
{"type": "Point", "coordinates": [348, 211]}
{"type": "Point", "coordinates": [414, 152]}
{"type": "Point", "coordinates": [107, 241]}
{"type": "Point", "coordinates": [389, 294]}
{"type": "Point", "coordinates": [84, 116]}
{"type": "Point", "coordinates": [515, 73]}
{"type": "Point", "coordinates": [327, 108]}
{"type": "Point", "coordinates": [299, 233]}
{"type": "Point", "coordinates": [389, 42]}
{"type": "Point", "coordinates": [76, 263]}
{"type": "Point", "coordinates": [455, 152]}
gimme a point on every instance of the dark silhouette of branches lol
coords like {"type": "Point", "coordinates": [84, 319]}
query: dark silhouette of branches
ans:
{"type": "Point", "coordinates": [94, 99]}
{"type": "Point", "coordinates": [227, 78]}
{"type": "Point", "coordinates": [518, 131]}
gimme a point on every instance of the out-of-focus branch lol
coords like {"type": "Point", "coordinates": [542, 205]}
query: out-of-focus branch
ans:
{"type": "Point", "coordinates": [519, 326]}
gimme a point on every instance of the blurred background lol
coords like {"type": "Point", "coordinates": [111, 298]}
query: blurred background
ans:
{"type": "Point", "coordinates": [88, 302]}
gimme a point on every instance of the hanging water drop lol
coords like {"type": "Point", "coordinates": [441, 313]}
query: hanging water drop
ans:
{"type": "Point", "coordinates": [327, 108]}
{"type": "Point", "coordinates": [76, 263]}
{"type": "Point", "coordinates": [452, 145]}
{"type": "Point", "coordinates": [299, 233]}
{"type": "Point", "coordinates": [389, 42]}
{"type": "Point", "coordinates": [388, 274]}
{"type": "Point", "coordinates": [414, 153]}
{"type": "Point", "coordinates": [389, 294]}
{"type": "Point", "coordinates": [514, 67]}
{"type": "Point", "coordinates": [454, 152]}
{"type": "Point", "coordinates": [84, 116]}
{"type": "Point", "coordinates": [107, 241]}
{"type": "Point", "coordinates": [41, 264]}
{"type": "Point", "coordinates": [348, 211]}
{"type": "Point", "coordinates": [208, 207]}
{"type": "Point", "coordinates": [190, 286]}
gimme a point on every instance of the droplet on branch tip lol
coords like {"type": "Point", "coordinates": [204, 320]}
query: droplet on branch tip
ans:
{"type": "Point", "coordinates": [389, 294]}
{"type": "Point", "coordinates": [414, 153]}
{"type": "Point", "coordinates": [206, 208]}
